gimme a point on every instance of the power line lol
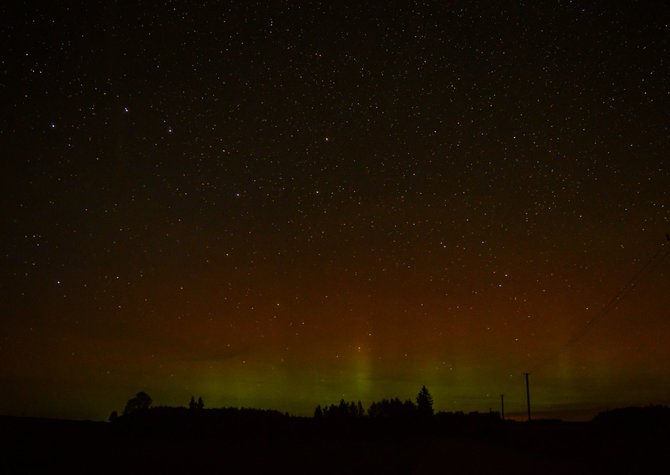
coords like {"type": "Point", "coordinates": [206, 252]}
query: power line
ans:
{"type": "Point", "coordinates": [527, 395]}
{"type": "Point", "coordinates": [651, 264]}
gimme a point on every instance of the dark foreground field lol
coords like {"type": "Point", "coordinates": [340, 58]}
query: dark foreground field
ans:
{"type": "Point", "coordinates": [43, 446]}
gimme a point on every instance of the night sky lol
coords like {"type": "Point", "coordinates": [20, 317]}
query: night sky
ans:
{"type": "Point", "coordinates": [281, 204]}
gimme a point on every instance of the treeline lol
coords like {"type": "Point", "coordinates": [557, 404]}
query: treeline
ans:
{"type": "Point", "coordinates": [385, 418]}
{"type": "Point", "coordinates": [386, 408]}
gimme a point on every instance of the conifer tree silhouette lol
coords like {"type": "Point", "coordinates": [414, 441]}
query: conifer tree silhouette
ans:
{"type": "Point", "coordinates": [424, 403]}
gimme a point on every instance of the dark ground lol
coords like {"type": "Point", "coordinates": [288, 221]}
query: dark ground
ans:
{"type": "Point", "coordinates": [38, 445]}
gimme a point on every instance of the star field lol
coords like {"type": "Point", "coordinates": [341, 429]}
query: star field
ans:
{"type": "Point", "coordinates": [279, 204]}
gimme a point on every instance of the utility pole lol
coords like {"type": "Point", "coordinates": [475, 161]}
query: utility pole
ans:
{"type": "Point", "coordinates": [527, 395]}
{"type": "Point", "coordinates": [502, 406]}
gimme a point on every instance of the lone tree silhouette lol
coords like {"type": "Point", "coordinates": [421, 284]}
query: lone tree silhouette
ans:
{"type": "Point", "coordinates": [424, 403]}
{"type": "Point", "coordinates": [140, 402]}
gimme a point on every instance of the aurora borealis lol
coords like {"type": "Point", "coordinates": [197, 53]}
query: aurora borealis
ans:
{"type": "Point", "coordinates": [283, 204]}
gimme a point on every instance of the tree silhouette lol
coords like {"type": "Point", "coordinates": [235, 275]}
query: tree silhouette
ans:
{"type": "Point", "coordinates": [191, 404]}
{"type": "Point", "coordinates": [201, 404]}
{"type": "Point", "coordinates": [343, 410]}
{"type": "Point", "coordinates": [392, 408]}
{"type": "Point", "coordinates": [360, 412]}
{"type": "Point", "coordinates": [140, 402]}
{"type": "Point", "coordinates": [424, 403]}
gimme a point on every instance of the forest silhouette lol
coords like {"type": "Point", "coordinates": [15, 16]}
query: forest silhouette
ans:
{"type": "Point", "coordinates": [384, 418]}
